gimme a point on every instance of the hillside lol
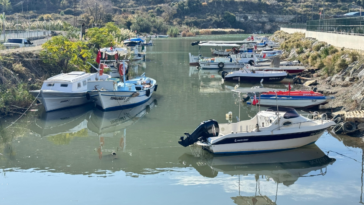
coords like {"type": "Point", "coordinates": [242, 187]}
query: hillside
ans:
{"type": "Point", "coordinates": [155, 16]}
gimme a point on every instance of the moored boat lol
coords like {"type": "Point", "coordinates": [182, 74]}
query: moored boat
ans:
{"type": "Point", "coordinates": [114, 94]}
{"type": "Point", "coordinates": [246, 75]}
{"type": "Point", "coordinates": [66, 90]}
{"type": "Point", "coordinates": [277, 128]}
{"type": "Point", "coordinates": [297, 99]}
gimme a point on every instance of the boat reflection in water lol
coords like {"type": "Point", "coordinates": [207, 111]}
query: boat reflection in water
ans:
{"type": "Point", "coordinates": [114, 123]}
{"type": "Point", "coordinates": [210, 81]}
{"type": "Point", "coordinates": [284, 167]}
{"type": "Point", "coordinates": [62, 121]}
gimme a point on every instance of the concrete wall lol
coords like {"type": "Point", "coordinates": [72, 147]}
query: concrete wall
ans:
{"type": "Point", "coordinates": [338, 40]}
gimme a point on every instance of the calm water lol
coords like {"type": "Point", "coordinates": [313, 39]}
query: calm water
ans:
{"type": "Point", "coordinates": [66, 157]}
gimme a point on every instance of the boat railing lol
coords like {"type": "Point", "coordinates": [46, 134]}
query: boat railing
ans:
{"type": "Point", "coordinates": [298, 123]}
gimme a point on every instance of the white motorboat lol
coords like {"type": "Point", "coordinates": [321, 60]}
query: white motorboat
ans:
{"type": "Point", "coordinates": [113, 94]}
{"type": "Point", "coordinates": [246, 75]}
{"type": "Point", "coordinates": [270, 54]}
{"type": "Point", "coordinates": [221, 63]}
{"type": "Point", "coordinates": [270, 130]}
{"type": "Point", "coordinates": [66, 89]}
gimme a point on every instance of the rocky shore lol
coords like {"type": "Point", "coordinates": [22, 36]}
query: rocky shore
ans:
{"type": "Point", "coordinates": [332, 71]}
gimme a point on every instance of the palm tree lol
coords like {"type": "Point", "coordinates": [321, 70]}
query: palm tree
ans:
{"type": "Point", "coordinates": [6, 4]}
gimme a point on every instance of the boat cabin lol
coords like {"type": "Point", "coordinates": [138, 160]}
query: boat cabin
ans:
{"type": "Point", "coordinates": [75, 81]}
{"type": "Point", "coordinates": [267, 121]}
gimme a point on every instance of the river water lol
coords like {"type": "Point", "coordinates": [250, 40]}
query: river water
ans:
{"type": "Point", "coordinates": [85, 156]}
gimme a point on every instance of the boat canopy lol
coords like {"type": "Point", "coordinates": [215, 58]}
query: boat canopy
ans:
{"type": "Point", "coordinates": [218, 44]}
{"type": "Point", "coordinates": [230, 42]}
{"type": "Point", "coordinates": [113, 51]}
{"type": "Point", "coordinates": [289, 112]}
{"type": "Point", "coordinates": [137, 39]}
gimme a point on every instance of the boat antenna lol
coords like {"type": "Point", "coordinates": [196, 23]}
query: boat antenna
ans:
{"type": "Point", "coordinates": [277, 108]}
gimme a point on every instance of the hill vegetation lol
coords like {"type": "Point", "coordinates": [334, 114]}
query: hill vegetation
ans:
{"type": "Point", "coordinates": [157, 16]}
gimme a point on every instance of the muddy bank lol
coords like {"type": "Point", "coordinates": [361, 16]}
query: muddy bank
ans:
{"type": "Point", "coordinates": [20, 72]}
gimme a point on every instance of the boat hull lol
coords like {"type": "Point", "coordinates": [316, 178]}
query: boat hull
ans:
{"type": "Point", "coordinates": [57, 100]}
{"type": "Point", "coordinates": [112, 100]}
{"type": "Point", "coordinates": [294, 101]}
{"type": "Point", "coordinates": [267, 143]}
{"type": "Point", "coordinates": [254, 79]}
{"type": "Point", "coordinates": [227, 65]}
{"type": "Point", "coordinates": [288, 69]}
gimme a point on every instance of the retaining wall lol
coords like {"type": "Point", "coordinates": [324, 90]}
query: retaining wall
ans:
{"type": "Point", "coordinates": [338, 40]}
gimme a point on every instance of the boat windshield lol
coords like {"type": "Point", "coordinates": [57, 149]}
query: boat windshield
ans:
{"type": "Point", "coordinates": [289, 112]}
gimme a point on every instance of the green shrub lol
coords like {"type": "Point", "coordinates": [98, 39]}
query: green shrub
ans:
{"type": "Point", "coordinates": [333, 51]}
{"type": "Point", "coordinates": [313, 59]}
{"type": "Point", "coordinates": [354, 56]}
{"type": "Point", "coordinates": [318, 46]}
{"type": "Point", "coordinates": [173, 32]}
{"type": "Point", "coordinates": [340, 65]}
{"type": "Point", "coordinates": [61, 13]}
{"type": "Point", "coordinates": [299, 51]}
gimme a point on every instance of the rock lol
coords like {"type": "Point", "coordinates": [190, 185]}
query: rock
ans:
{"type": "Point", "coordinates": [293, 53]}
{"type": "Point", "coordinates": [310, 82]}
{"type": "Point", "coordinates": [360, 126]}
{"type": "Point", "coordinates": [336, 78]}
{"type": "Point", "coordinates": [345, 84]}
{"type": "Point", "coordinates": [349, 79]}
{"type": "Point", "coordinates": [328, 79]}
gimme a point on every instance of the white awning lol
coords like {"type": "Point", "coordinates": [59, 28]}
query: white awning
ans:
{"type": "Point", "coordinates": [113, 51]}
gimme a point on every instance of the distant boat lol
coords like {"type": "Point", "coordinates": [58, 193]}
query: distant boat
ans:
{"type": "Point", "coordinates": [246, 75]}
{"type": "Point", "coordinates": [297, 99]}
{"type": "Point", "coordinates": [133, 41]}
{"type": "Point", "coordinates": [162, 36]}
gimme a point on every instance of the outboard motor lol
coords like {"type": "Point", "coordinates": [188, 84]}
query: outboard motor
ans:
{"type": "Point", "coordinates": [195, 43]}
{"type": "Point", "coordinates": [205, 130]}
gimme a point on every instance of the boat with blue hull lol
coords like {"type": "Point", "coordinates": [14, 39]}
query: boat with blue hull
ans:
{"type": "Point", "coordinates": [297, 99]}
{"type": "Point", "coordinates": [274, 129]}
{"type": "Point", "coordinates": [114, 94]}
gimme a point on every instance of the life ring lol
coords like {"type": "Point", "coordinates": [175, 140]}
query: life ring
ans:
{"type": "Point", "coordinates": [349, 127]}
{"type": "Point", "coordinates": [147, 93]}
{"type": "Point", "coordinates": [221, 66]}
{"type": "Point", "coordinates": [121, 69]}
{"type": "Point", "coordinates": [223, 74]}
{"type": "Point", "coordinates": [251, 62]}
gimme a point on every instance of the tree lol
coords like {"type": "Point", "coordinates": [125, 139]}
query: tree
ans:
{"type": "Point", "coordinates": [168, 13]}
{"type": "Point", "coordinates": [99, 10]}
{"type": "Point", "coordinates": [66, 54]}
{"type": "Point", "coordinates": [5, 4]}
{"type": "Point", "coordinates": [229, 17]}
{"type": "Point", "coordinates": [103, 37]}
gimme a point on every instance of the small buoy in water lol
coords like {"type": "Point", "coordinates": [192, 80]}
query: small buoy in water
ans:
{"type": "Point", "coordinates": [113, 153]}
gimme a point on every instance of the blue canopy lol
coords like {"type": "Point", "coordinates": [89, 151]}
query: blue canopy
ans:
{"type": "Point", "coordinates": [137, 39]}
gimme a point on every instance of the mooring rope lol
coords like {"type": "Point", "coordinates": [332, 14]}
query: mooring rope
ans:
{"type": "Point", "coordinates": [24, 111]}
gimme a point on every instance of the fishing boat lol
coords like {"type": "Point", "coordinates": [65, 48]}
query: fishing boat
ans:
{"type": "Point", "coordinates": [114, 94]}
{"type": "Point", "coordinates": [110, 60]}
{"type": "Point", "coordinates": [297, 99]}
{"type": "Point", "coordinates": [66, 89]}
{"type": "Point", "coordinates": [246, 75]}
{"type": "Point", "coordinates": [274, 129]}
